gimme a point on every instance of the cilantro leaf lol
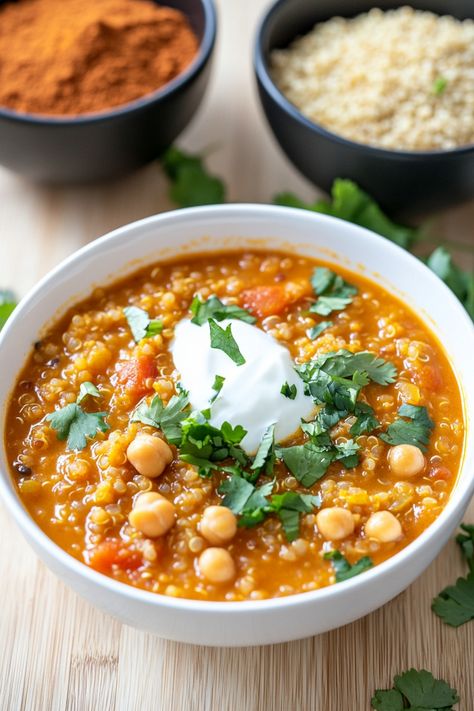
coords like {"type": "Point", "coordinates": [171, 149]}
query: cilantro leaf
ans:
{"type": "Point", "coordinates": [289, 507]}
{"type": "Point", "coordinates": [466, 542]}
{"type": "Point", "coordinates": [423, 691]}
{"type": "Point", "coordinates": [415, 430]}
{"type": "Point", "coordinates": [223, 340]}
{"type": "Point", "coordinates": [265, 456]}
{"type": "Point", "coordinates": [75, 425]}
{"type": "Point", "coordinates": [217, 386]}
{"type": "Point", "coordinates": [334, 293]}
{"type": "Point", "coordinates": [317, 330]}
{"type": "Point", "coordinates": [351, 203]}
{"type": "Point", "coordinates": [388, 700]}
{"type": "Point", "coordinates": [459, 281]}
{"type": "Point", "coordinates": [140, 323]}
{"type": "Point", "coordinates": [348, 453]}
{"type": "Point", "coordinates": [191, 183]}
{"type": "Point", "coordinates": [306, 462]}
{"type": "Point", "coordinates": [237, 492]}
{"type": "Point", "coordinates": [289, 391]}
{"type": "Point", "coordinates": [455, 604]}
{"type": "Point", "coordinates": [343, 569]}
{"type": "Point", "coordinates": [202, 311]}
{"type": "Point", "coordinates": [87, 390]}
{"type": "Point", "coordinates": [202, 441]}
{"type": "Point", "coordinates": [366, 421]}
{"type": "Point", "coordinates": [168, 419]}
{"type": "Point", "coordinates": [7, 306]}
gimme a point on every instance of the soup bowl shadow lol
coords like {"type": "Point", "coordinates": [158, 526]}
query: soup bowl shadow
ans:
{"type": "Point", "coordinates": [236, 227]}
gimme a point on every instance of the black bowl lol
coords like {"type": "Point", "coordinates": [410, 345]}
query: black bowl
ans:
{"type": "Point", "coordinates": [404, 182]}
{"type": "Point", "coordinates": [111, 143]}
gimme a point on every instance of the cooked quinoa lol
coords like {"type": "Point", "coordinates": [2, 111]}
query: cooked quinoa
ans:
{"type": "Point", "coordinates": [402, 79]}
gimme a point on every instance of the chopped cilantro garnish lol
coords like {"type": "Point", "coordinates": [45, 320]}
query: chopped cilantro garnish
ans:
{"type": "Point", "coordinates": [167, 418]}
{"type": "Point", "coordinates": [344, 364]}
{"type": "Point", "coordinates": [289, 391]}
{"type": "Point", "coordinates": [223, 340]}
{"type": "Point", "coordinates": [317, 330]}
{"type": "Point", "coordinates": [343, 569]}
{"type": "Point", "coordinates": [416, 429]}
{"type": "Point", "coordinates": [202, 311]}
{"type": "Point", "coordinates": [140, 323]}
{"type": "Point", "coordinates": [366, 421]}
{"type": "Point", "coordinates": [348, 453]}
{"type": "Point", "coordinates": [77, 426]}
{"type": "Point", "coordinates": [87, 390]}
{"type": "Point", "coordinates": [289, 507]}
{"type": "Point", "coordinates": [191, 182]}
{"type": "Point", "coordinates": [237, 491]}
{"type": "Point", "coordinates": [217, 386]}
{"type": "Point", "coordinates": [204, 445]}
{"type": "Point", "coordinates": [7, 306]}
{"type": "Point", "coordinates": [351, 203]}
{"type": "Point", "coordinates": [334, 293]}
{"type": "Point", "coordinates": [265, 457]}
{"type": "Point", "coordinates": [455, 604]}
{"type": "Point", "coordinates": [307, 462]}
{"type": "Point", "coordinates": [439, 85]}
{"type": "Point", "coordinates": [418, 691]}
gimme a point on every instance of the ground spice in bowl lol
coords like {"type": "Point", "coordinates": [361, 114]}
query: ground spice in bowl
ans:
{"type": "Point", "coordinates": [78, 56]}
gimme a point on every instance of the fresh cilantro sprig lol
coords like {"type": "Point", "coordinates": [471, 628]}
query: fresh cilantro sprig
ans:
{"type": "Point", "coordinates": [76, 426]}
{"type": "Point", "coordinates": [205, 446]}
{"type": "Point", "coordinates": [141, 325]}
{"type": "Point", "coordinates": [167, 418]}
{"type": "Point", "coordinates": [289, 391]}
{"type": "Point", "coordinates": [416, 691]}
{"type": "Point", "coordinates": [190, 182]}
{"type": "Point", "coordinates": [7, 306]}
{"type": "Point", "coordinates": [366, 421]}
{"type": "Point", "coordinates": [333, 293]}
{"type": "Point", "coordinates": [413, 426]}
{"type": "Point", "coordinates": [307, 462]}
{"type": "Point", "coordinates": [455, 604]}
{"type": "Point", "coordinates": [213, 308]}
{"type": "Point", "coordinates": [223, 340]}
{"type": "Point", "coordinates": [253, 505]}
{"type": "Point", "coordinates": [343, 569]}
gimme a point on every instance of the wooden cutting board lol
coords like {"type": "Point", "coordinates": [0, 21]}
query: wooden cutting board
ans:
{"type": "Point", "coordinates": [58, 652]}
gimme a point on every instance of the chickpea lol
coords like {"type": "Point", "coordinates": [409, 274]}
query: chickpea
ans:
{"type": "Point", "coordinates": [406, 460]}
{"type": "Point", "coordinates": [218, 525]}
{"type": "Point", "coordinates": [217, 565]}
{"type": "Point", "coordinates": [335, 523]}
{"type": "Point", "coordinates": [149, 455]}
{"type": "Point", "coordinates": [152, 514]}
{"type": "Point", "coordinates": [384, 527]}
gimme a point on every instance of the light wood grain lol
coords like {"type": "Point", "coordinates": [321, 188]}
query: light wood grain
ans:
{"type": "Point", "coordinates": [57, 652]}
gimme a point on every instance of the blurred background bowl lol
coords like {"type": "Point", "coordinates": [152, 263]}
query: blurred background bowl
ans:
{"type": "Point", "coordinates": [404, 182]}
{"type": "Point", "coordinates": [111, 143]}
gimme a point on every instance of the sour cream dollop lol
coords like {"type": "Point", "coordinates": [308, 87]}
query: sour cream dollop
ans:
{"type": "Point", "coordinates": [250, 395]}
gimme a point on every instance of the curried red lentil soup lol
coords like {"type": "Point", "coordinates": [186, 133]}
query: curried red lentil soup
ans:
{"type": "Point", "coordinates": [115, 464]}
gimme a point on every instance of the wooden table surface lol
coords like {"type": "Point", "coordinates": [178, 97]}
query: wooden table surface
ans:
{"type": "Point", "coordinates": [58, 652]}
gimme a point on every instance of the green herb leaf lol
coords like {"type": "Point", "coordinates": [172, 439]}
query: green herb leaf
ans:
{"type": "Point", "coordinates": [366, 421]}
{"type": "Point", "coordinates": [343, 569]}
{"type": "Point", "coordinates": [422, 691]}
{"type": "Point", "coordinates": [459, 281]}
{"type": "Point", "coordinates": [199, 440]}
{"type": "Point", "coordinates": [217, 386]}
{"type": "Point", "coordinates": [140, 323]}
{"type": "Point", "coordinates": [168, 419]}
{"type": "Point", "coordinates": [265, 457]}
{"type": "Point", "coordinates": [466, 542]}
{"type": "Point", "coordinates": [455, 604]}
{"type": "Point", "coordinates": [289, 506]}
{"type": "Point", "coordinates": [348, 453]}
{"type": "Point", "coordinates": [223, 340]}
{"type": "Point", "coordinates": [389, 700]}
{"type": "Point", "coordinates": [7, 306]}
{"type": "Point", "coordinates": [317, 330]}
{"type": "Point", "coordinates": [351, 203]}
{"type": "Point", "coordinates": [77, 426]}
{"type": "Point", "coordinates": [191, 183]}
{"type": "Point", "coordinates": [237, 491]}
{"type": "Point", "coordinates": [307, 462]}
{"type": "Point", "coordinates": [334, 293]}
{"type": "Point", "coordinates": [202, 311]}
{"type": "Point", "coordinates": [439, 86]}
{"type": "Point", "coordinates": [416, 429]}
{"type": "Point", "coordinates": [87, 390]}
{"type": "Point", "coordinates": [289, 391]}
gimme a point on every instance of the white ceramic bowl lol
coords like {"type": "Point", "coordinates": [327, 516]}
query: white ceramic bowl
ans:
{"type": "Point", "coordinates": [238, 226]}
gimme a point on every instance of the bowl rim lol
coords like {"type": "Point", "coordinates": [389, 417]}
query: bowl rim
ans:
{"type": "Point", "coordinates": [261, 69]}
{"type": "Point", "coordinates": [206, 47]}
{"type": "Point", "coordinates": [447, 519]}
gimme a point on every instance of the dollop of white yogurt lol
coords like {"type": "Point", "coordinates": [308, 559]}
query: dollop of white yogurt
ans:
{"type": "Point", "coordinates": [251, 394]}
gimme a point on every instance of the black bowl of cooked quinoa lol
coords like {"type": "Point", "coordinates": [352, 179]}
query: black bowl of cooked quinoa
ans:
{"type": "Point", "coordinates": [382, 96]}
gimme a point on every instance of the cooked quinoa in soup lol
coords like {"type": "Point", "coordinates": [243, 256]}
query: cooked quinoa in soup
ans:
{"type": "Point", "coordinates": [236, 426]}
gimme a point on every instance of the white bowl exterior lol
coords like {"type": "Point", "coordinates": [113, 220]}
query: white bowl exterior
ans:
{"type": "Point", "coordinates": [234, 227]}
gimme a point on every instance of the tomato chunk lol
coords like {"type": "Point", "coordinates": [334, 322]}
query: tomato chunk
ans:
{"type": "Point", "coordinates": [113, 552]}
{"type": "Point", "coordinates": [265, 301]}
{"type": "Point", "coordinates": [133, 375]}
